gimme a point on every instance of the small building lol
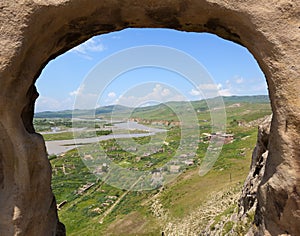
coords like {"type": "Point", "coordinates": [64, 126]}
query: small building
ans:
{"type": "Point", "coordinates": [88, 157]}
{"type": "Point", "coordinates": [183, 156]}
{"type": "Point", "coordinates": [228, 138]}
{"type": "Point", "coordinates": [156, 178]}
{"type": "Point", "coordinates": [189, 162]}
{"type": "Point", "coordinates": [174, 169]}
{"type": "Point", "coordinates": [55, 129]}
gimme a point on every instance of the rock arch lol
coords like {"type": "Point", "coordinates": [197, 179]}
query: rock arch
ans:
{"type": "Point", "coordinates": [35, 31]}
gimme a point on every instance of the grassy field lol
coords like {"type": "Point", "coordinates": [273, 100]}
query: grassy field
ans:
{"type": "Point", "coordinates": [91, 207]}
{"type": "Point", "coordinates": [70, 135]}
{"type": "Point", "coordinates": [82, 212]}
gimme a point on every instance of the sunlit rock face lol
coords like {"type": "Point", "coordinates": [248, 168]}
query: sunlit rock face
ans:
{"type": "Point", "coordinates": [33, 32]}
{"type": "Point", "coordinates": [248, 199]}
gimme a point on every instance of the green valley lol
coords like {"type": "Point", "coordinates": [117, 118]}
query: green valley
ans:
{"type": "Point", "coordinates": [89, 206]}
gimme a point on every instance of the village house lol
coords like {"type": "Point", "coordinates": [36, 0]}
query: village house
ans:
{"type": "Point", "coordinates": [174, 169]}
{"type": "Point", "coordinates": [156, 178]}
{"type": "Point", "coordinates": [227, 138]}
{"type": "Point", "coordinates": [189, 162]}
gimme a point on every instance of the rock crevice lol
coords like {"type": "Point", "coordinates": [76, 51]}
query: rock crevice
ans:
{"type": "Point", "coordinates": [248, 199]}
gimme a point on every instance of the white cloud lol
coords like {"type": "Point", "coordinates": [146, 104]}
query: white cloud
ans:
{"type": "Point", "coordinates": [88, 47]}
{"type": "Point", "coordinates": [112, 95]}
{"type": "Point", "coordinates": [158, 94]}
{"type": "Point", "coordinates": [208, 86]}
{"type": "Point", "coordinates": [195, 92]}
{"type": "Point", "coordinates": [109, 100]}
{"type": "Point", "coordinates": [260, 87]}
{"type": "Point", "coordinates": [74, 93]}
{"type": "Point", "coordinates": [165, 92]}
{"type": "Point", "coordinates": [207, 90]}
{"type": "Point", "coordinates": [78, 91]}
{"type": "Point", "coordinates": [225, 92]}
{"type": "Point", "coordinates": [238, 85]}
{"type": "Point", "coordinates": [239, 80]}
{"type": "Point", "coordinates": [52, 104]}
{"type": "Point", "coordinates": [84, 98]}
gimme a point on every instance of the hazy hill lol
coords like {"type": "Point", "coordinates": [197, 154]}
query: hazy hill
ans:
{"type": "Point", "coordinates": [155, 111]}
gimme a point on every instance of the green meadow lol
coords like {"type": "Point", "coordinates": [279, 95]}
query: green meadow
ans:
{"type": "Point", "coordinates": [89, 206]}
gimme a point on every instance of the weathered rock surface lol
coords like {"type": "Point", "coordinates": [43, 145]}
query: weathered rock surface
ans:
{"type": "Point", "coordinates": [33, 32]}
{"type": "Point", "coordinates": [248, 197]}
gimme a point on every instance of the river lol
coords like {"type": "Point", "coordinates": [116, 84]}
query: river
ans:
{"type": "Point", "coordinates": [60, 146]}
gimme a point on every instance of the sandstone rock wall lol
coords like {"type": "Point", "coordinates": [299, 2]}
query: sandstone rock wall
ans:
{"type": "Point", "coordinates": [248, 198]}
{"type": "Point", "coordinates": [33, 32]}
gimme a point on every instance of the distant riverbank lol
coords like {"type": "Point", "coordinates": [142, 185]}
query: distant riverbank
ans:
{"type": "Point", "coordinates": [60, 146]}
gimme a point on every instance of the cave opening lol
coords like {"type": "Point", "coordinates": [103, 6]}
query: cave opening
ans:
{"type": "Point", "coordinates": [82, 194]}
{"type": "Point", "coordinates": [36, 32]}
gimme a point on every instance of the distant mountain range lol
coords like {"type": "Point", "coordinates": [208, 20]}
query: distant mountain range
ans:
{"type": "Point", "coordinates": [153, 111]}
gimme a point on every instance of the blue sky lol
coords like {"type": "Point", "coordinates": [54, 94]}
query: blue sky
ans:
{"type": "Point", "coordinates": [232, 67]}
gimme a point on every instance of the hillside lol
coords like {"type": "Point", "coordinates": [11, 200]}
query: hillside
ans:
{"type": "Point", "coordinates": [156, 111]}
{"type": "Point", "coordinates": [189, 204]}
{"type": "Point", "coordinates": [81, 113]}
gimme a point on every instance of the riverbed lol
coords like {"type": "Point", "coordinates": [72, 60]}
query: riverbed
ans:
{"type": "Point", "coordinates": [60, 146]}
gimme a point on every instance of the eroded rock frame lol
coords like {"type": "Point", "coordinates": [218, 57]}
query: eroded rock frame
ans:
{"type": "Point", "coordinates": [35, 31]}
